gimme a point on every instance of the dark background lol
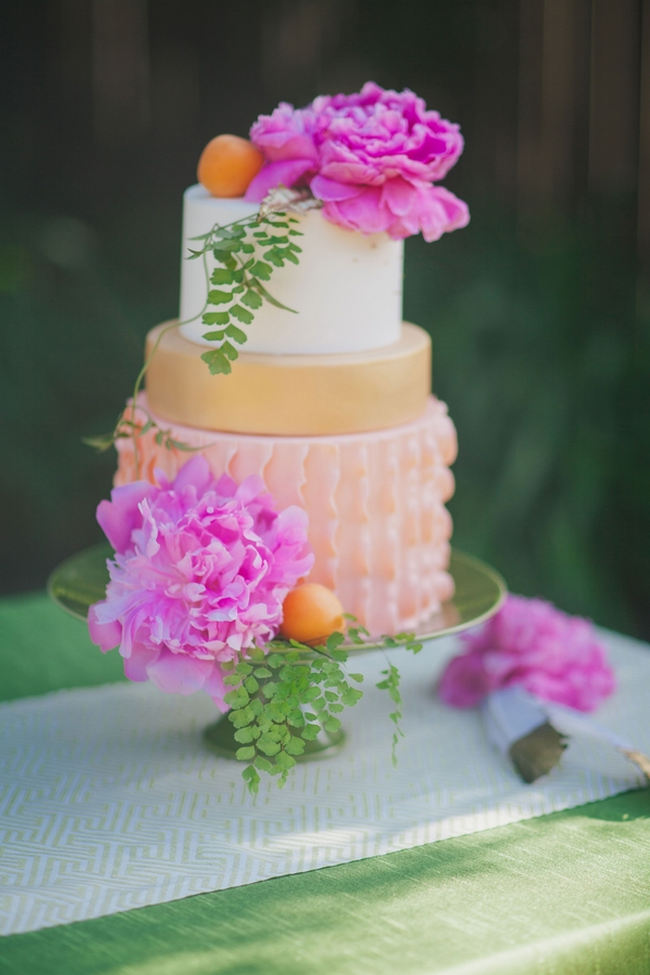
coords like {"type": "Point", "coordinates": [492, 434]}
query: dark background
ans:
{"type": "Point", "coordinates": [538, 311]}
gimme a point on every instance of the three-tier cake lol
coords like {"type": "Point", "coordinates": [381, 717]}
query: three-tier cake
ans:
{"type": "Point", "coordinates": [329, 400]}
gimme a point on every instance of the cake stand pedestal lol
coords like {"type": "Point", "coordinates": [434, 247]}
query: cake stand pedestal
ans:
{"type": "Point", "coordinates": [479, 591]}
{"type": "Point", "coordinates": [219, 737]}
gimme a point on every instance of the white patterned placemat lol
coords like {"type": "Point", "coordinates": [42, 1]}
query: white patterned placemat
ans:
{"type": "Point", "coordinates": [109, 800]}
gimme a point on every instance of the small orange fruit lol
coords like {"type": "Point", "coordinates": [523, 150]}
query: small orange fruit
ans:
{"type": "Point", "coordinates": [310, 613]}
{"type": "Point", "coordinates": [228, 164]}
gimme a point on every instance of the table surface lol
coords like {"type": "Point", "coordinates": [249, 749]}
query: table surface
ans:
{"type": "Point", "coordinates": [564, 893]}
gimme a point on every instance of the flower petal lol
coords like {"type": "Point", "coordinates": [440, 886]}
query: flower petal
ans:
{"type": "Point", "coordinates": [106, 635]}
{"type": "Point", "coordinates": [456, 211]}
{"type": "Point", "coordinates": [331, 190]}
{"type": "Point", "coordinates": [362, 212]}
{"type": "Point", "coordinates": [136, 666]}
{"type": "Point", "coordinates": [399, 195]}
{"type": "Point", "coordinates": [179, 674]}
{"type": "Point", "coordinates": [195, 472]}
{"type": "Point", "coordinates": [285, 173]}
{"type": "Point", "coordinates": [464, 682]}
{"type": "Point", "coordinates": [120, 516]}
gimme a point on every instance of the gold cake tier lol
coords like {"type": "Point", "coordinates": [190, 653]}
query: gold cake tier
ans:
{"type": "Point", "coordinates": [291, 395]}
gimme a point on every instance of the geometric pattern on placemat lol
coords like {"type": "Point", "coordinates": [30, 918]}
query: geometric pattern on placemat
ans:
{"type": "Point", "coordinates": [110, 801]}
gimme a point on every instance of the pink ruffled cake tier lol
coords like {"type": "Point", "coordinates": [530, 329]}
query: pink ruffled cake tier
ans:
{"type": "Point", "coordinates": [375, 501]}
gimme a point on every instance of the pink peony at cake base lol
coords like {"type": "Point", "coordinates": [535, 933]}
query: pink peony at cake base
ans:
{"type": "Point", "coordinates": [201, 569]}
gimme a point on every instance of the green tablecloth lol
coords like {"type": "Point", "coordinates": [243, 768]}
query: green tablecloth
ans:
{"type": "Point", "coordinates": [565, 893]}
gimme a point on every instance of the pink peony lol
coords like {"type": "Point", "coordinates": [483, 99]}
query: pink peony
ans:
{"type": "Point", "coordinates": [287, 140]}
{"type": "Point", "coordinates": [531, 643]}
{"type": "Point", "coordinates": [200, 573]}
{"type": "Point", "coordinates": [371, 158]}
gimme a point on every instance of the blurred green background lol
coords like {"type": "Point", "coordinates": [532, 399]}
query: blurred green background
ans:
{"type": "Point", "coordinates": [538, 311]}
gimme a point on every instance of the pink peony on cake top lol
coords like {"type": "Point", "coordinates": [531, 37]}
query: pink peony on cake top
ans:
{"type": "Point", "coordinates": [371, 159]}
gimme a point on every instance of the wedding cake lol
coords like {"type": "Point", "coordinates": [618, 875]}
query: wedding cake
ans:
{"type": "Point", "coordinates": [308, 377]}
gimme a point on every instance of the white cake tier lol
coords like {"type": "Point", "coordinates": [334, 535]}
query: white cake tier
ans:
{"type": "Point", "coordinates": [346, 291]}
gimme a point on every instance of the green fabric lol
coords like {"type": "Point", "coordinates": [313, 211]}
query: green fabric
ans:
{"type": "Point", "coordinates": [44, 649]}
{"type": "Point", "coordinates": [565, 894]}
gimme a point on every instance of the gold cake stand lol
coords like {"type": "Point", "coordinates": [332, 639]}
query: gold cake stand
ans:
{"type": "Point", "coordinates": [81, 581]}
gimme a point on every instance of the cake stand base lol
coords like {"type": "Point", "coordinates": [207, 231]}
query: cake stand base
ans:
{"type": "Point", "coordinates": [81, 581]}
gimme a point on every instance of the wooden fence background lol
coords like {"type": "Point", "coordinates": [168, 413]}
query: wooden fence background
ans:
{"type": "Point", "coordinates": [554, 93]}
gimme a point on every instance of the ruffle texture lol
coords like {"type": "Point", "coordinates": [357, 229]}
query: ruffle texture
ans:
{"type": "Point", "coordinates": [375, 504]}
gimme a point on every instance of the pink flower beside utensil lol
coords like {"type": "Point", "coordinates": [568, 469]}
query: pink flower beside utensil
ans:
{"type": "Point", "coordinates": [530, 643]}
{"type": "Point", "coordinates": [200, 573]}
